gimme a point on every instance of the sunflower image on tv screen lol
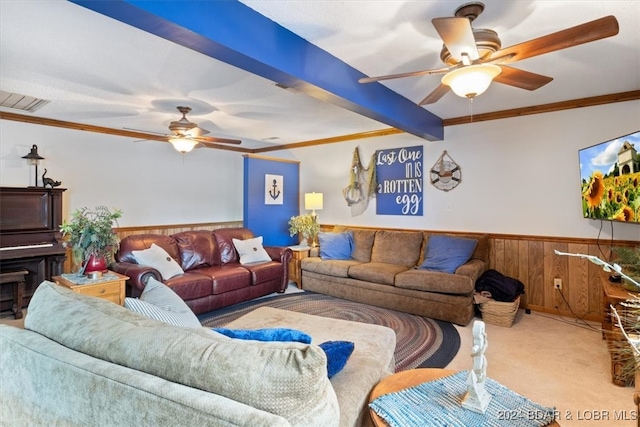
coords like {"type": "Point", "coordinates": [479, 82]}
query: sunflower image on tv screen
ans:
{"type": "Point", "coordinates": [610, 174]}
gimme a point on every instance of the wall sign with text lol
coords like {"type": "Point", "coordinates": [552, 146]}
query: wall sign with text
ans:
{"type": "Point", "coordinates": [399, 176]}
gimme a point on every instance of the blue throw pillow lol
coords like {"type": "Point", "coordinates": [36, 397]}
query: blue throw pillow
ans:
{"type": "Point", "coordinates": [335, 245]}
{"type": "Point", "coordinates": [446, 253]}
{"type": "Point", "coordinates": [338, 353]}
{"type": "Point", "coordinates": [267, 334]}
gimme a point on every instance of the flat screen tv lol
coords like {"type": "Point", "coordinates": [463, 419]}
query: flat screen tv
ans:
{"type": "Point", "coordinates": [610, 175]}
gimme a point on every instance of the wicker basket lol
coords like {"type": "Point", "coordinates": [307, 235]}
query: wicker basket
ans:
{"type": "Point", "coordinates": [499, 313]}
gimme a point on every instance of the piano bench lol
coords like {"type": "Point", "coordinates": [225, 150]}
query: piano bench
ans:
{"type": "Point", "coordinates": [17, 279]}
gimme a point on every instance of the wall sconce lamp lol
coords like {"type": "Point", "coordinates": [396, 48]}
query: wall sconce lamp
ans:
{"type": "Point", "coordinates": [313, 201]}
{"type": "Point", "coordinates": [183, 145]}
{"type": "Point", "coordinates": [33, 158]}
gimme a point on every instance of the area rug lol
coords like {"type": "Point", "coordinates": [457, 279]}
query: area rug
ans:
{"type": "Point", "coordinates": [420, 342]}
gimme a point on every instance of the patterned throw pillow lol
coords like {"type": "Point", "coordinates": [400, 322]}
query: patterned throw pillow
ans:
{"type": "Point", "coordinates": [158, 258]}
{"type": "Point", "coordinates": [251, 250]}
{"type": "Point", "coordinates": [160, 302]}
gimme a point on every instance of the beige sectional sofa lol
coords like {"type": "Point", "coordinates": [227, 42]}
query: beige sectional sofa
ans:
{"type": "Point", "coordinates": [382, 272]}
{"type": "Point", "coordinates": [84, 361]}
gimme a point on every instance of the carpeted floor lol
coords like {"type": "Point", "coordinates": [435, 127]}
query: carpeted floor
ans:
{"type": "Point", "coordinates": [420, 342]}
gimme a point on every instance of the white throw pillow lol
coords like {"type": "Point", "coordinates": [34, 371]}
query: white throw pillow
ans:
{"type": "Point", "coordinates": [158, 258]}
{"type": "Point", "coordinates": [160, 302]}
{"type": "Point", "coordinates": [251, 250]}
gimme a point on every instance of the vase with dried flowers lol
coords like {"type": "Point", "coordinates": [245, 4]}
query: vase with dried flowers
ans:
{"type": "Point", "coordinates": [625, 352]}
{"type": "Point", "coordinates": [91, 238]}
{"type": "Point", "coordinates": [305, 225]}
{"type": "Point", "coordinates": [629, 260]}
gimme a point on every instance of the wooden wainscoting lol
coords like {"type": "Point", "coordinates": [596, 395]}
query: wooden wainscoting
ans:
{"type": "Point", "coordinates": [160, 229]}
{"type": "Point", "coordinates": [175, 228]}
{"type": "Point", "coordinates": [531, 259]}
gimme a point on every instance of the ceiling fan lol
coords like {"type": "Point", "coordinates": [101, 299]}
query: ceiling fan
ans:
{"type": "Point", "coordinates": [474, 57]}
{"type": "Point", "coordinates": [185, 135]}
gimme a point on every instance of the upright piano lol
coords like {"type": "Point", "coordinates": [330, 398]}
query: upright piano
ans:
{"type": "Point", "coordinates": [30, 237]}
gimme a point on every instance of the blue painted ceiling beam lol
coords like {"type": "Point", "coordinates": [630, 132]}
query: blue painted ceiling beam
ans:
{"type": "Point", "coordinates": [232, 32]}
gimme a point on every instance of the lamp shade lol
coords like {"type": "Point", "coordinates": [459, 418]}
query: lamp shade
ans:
{"type": "Point", "coordinates": [472, 80]}
{"type": "Point", "coordinates": [33, 157]}
{"type": "Point", "coordinates": [313, 201]}
{"type": "Point", "coordinates": [183, 145]}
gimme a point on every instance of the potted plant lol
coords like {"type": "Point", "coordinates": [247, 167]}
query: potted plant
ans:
{"type": "Point", "coordinates": [306, 225]}
{"type": "Point", "coordinates": [91, 237]}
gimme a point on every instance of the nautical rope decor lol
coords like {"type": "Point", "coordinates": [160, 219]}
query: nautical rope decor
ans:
{"type": "Point", "coordinates": [362, 184]}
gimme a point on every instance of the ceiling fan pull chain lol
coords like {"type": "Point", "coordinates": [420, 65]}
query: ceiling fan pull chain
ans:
{"type": "Point", "coordinates": [470, 110]}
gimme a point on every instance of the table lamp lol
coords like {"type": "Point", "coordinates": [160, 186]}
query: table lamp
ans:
{"type": "Point", "coordinates": [313, 202]}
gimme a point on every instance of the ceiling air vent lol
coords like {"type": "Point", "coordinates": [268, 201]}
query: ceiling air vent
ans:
{"type": "Point", "coordinates": [21, 102]}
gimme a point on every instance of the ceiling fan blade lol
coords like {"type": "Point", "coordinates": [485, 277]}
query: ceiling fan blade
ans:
{"type": "Point", "coordinates": [520, 78]}
{"type": "Point", "coordinates": [457, 35]}
{"type": "Point", "coordinates": [435, 95]}
{"type": "Point", "coordinates": [145, 131]}
{"type": "Point", "coordinates": [574, 36]}
{"type": "Point", "coordinates": [409, 74]}
{"type": "Point", "coordinates": [214, 139]}
{"type": "Point", "coordinates": [196, 131]}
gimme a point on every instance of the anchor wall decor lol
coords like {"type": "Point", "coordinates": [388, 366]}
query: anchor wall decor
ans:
{"type": "Point", "coordinates": [274, 189]}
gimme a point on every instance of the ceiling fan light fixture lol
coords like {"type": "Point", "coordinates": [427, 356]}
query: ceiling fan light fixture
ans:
{"type": "Point", "coordinates": [183, 145]}
{"type": "Point", "coordinates": [471, 81]}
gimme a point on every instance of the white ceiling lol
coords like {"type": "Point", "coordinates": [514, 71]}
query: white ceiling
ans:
{"type": "Point", "coordinates": [99, 71]}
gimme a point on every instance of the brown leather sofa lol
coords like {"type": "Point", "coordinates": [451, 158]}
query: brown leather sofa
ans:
{"type": "Point", "coordinates": [213, 276]}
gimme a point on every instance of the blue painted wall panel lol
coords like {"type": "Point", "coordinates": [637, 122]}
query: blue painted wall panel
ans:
{"type": "Point", "coordinates": [270, 221]}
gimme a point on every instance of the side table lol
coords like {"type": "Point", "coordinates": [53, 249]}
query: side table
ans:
{"type": "Point", "coordinates": [295, 273]}
{"type": "Point", "coordinates": [17, 279]}
{"type": "Point", "coordinates": [406, 379]}
{"type": "Point", "coordinates": [111, 286]}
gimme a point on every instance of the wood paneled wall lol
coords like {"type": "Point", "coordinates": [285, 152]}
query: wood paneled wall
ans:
{"type": "Point", "coordinates": [531, 259]}
{"type": "Point", "coordinates": [174, 228]}
{"type": "Point", "coordinates": [159, 229]}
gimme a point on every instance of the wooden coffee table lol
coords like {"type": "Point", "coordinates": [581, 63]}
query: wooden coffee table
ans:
{"type": "Point", "coordinates": [406, 379]}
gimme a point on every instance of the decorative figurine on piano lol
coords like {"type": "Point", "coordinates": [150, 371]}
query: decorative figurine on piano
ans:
{"type": "Point", "coordinates": [48, 181]}
{"type": "Point", "coordinates": [477, 399]}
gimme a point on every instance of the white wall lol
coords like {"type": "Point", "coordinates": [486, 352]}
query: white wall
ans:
{"type": "Point", "coordinates": [519, 175]}
{"type": "Point", "coordinates": [149, 181]}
